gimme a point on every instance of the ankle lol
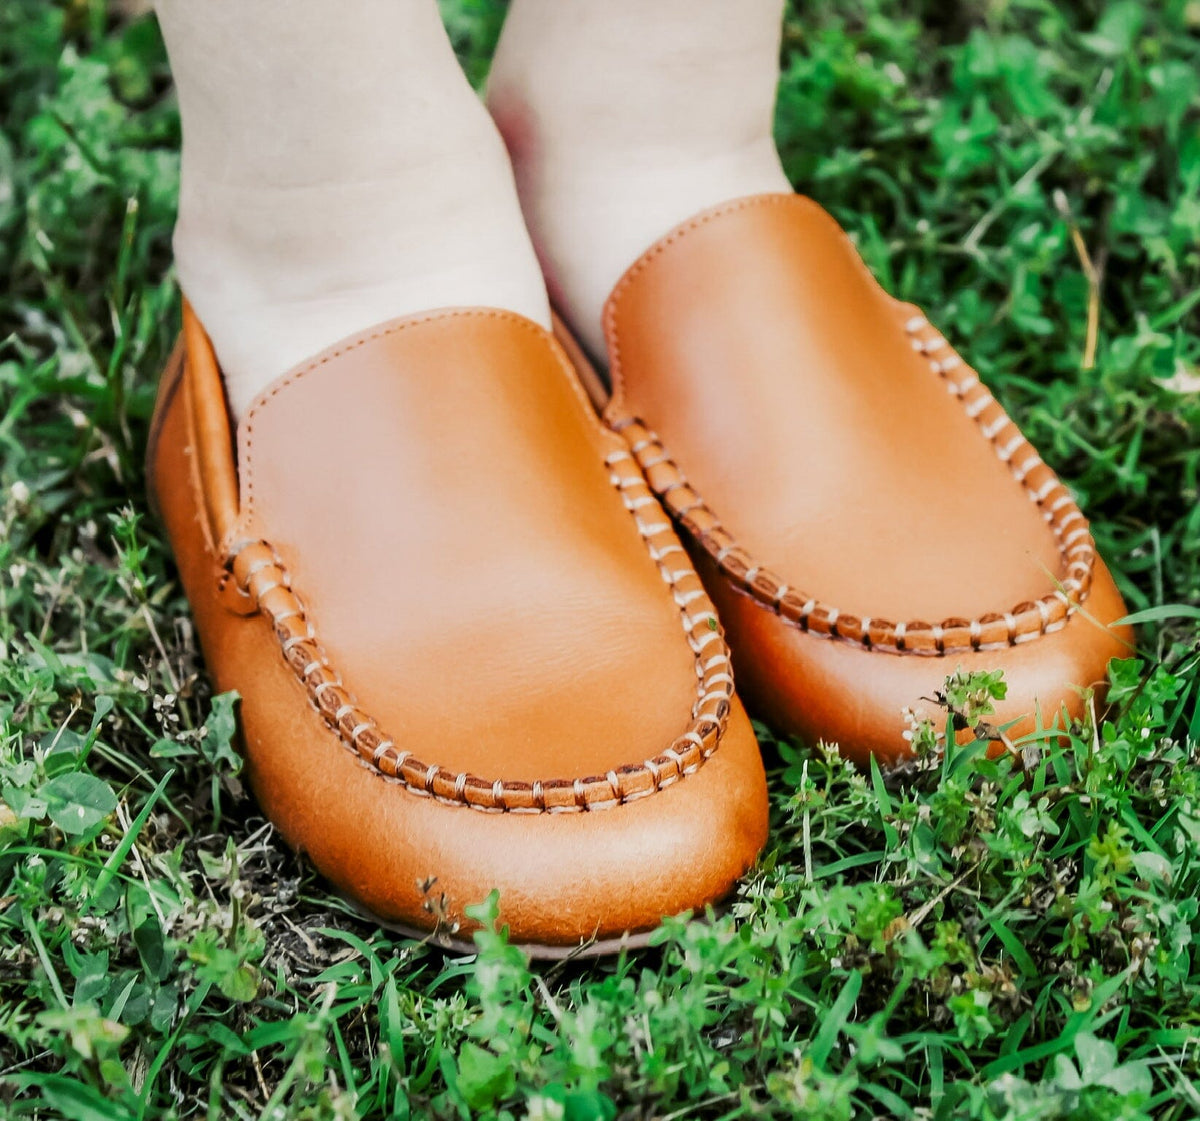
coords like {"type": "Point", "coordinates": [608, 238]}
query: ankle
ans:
{"type": "Point", "coordinates": [338, 170]}
{"type": "Point", "coordinates": [614, 143]}
{"type": "Point", "coordinates": [278, 271]}
{"type": "Point", "coordinates": [592, 210]}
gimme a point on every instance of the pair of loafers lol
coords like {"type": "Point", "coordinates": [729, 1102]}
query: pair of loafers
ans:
{"type": "Point", "coordinates": [485, 618]}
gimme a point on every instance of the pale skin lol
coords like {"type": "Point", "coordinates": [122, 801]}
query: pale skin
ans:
{"type": "Point", "coordinates": [338, 170]}
{"type": "Point", "coordinates": [624, 118]}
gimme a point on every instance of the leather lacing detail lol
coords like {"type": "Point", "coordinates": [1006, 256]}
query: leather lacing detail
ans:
{"type": "Point", "coordinates": [995, 631]}
{"type": "Point", "coordinates": [259, 573]}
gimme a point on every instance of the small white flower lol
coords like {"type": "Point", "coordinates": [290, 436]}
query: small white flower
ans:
{"type": "Point", "coordinates": [1185, 380]}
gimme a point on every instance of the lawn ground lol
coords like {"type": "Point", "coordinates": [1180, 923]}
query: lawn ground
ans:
{"type": "Point", "coordinates": [971, 943]}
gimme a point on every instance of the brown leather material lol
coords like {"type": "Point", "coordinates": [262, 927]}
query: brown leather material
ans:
{"type": "Point", "coordinates": [214, 443]}
{"type": "Point", "coordinates": [467, 648]}
{"type": "Point", "coordinates": [864, 513]}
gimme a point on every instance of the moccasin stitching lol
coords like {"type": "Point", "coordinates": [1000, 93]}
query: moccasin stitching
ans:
{"type": "Point", "coordinates": [259, 573]}
{"type": "Point", "coordinates": [1024, 623]}
{"type": "Point", "coordinates": [256, 570]}
{"type": "Point", "coordinates": [989, 632]}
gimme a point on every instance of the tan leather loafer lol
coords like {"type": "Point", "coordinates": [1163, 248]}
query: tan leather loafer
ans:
{"type": "Point", "coordinates": [471, 655]}
{"type": "Point", "coordinates": [863, 512]}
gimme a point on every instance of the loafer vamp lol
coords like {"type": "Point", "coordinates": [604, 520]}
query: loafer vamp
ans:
{"type": "Point", "coordinates": [471, 572]}
{"type": "Point", "coordinates": [810, 419]}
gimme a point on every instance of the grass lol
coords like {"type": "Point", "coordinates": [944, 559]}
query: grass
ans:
{"type": "Point", "coordinates": [976, 942]}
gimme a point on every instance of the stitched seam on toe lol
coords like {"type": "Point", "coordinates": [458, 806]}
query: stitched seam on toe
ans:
{"type": "Point", "coordinates": [260, 573]}
{"type": "Point", "coordinates": [1023, 623]}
